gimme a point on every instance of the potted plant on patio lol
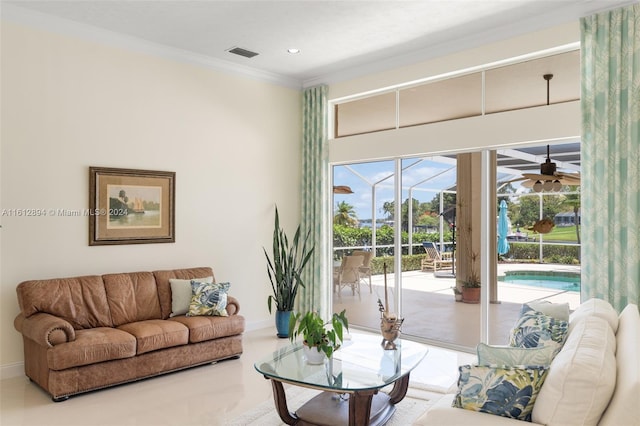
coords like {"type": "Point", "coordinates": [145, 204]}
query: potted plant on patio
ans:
{"type": "Point", "coordinates": [319, 341]}
{"type": "Point", "coordinates": [471, 289]}
{"type": "Point", "coordinates": [470, 279]}
{"type": "Point", "coordinates": [284, 271]}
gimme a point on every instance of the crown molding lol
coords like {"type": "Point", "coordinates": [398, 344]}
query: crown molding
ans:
{"type": "Point", "coordinates": [557, 15]}
{"type": "Point", "coordinates": [15, 14]}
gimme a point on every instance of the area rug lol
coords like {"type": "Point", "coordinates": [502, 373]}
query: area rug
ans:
{"type": "Point", "coordinates": [408, 410]}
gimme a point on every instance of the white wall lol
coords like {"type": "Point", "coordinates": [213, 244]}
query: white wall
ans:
{"type": "Point", "coordinates": [68, 104]}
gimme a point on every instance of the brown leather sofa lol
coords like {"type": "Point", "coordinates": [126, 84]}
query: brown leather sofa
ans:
{"type": "Point", "coordinates": [86, 333]}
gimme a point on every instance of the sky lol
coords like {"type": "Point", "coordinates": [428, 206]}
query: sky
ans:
{"type": "Point", "coordinates": [424, 177]}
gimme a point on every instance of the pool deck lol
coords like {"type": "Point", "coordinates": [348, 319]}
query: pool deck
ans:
{"type": "Point", "coordinates": [431, 312]}
{"type": "Point", "coordinates": [507, 292]}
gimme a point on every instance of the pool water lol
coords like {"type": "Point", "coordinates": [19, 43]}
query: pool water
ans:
{"type": "Point", "coordinates": [566, 281]}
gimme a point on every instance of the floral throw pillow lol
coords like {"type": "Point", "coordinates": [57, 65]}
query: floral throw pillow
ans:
{"type": "Point", "coordinates": [208, 299]}
{"type": "Point", "coordinates": [535, 329]}
{"type": "Point", "coordinates": [504, 391]}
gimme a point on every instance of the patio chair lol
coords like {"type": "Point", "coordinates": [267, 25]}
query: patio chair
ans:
{"type": "Point", "coordinates": [348, 275]}
{"type": "Point", "coordinates": [434, 260]}
{"type": "Point", "coordinates": [365, 269]}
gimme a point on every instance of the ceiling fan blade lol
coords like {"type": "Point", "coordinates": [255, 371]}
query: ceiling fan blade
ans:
{"type": "Point", "coordinates": [536, 176]}
{"type": "Point", "coordinates": [566, 177]}
{"type": "Point", "coordinates": [511, 181]}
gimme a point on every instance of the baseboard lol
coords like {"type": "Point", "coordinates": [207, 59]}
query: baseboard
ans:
{"type": "Point", "coordinates": [9, 371]}
{"type": "Point", "coordinates": [259, 325]}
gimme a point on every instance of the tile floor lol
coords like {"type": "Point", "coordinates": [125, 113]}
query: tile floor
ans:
{"type": "Point", "coordinates": [213, 394]}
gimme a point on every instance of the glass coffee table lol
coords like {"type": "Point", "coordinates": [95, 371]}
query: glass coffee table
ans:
{"type": "Point", "coordinates": [350, 381]}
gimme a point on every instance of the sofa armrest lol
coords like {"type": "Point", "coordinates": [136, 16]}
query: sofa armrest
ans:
{"type": "Point", "coordinates": [45, 329]}
{"type": "Point", "coordinates": [233, 306]}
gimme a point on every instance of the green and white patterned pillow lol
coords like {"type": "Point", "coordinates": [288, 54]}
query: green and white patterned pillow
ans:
{"type": "Point", "coordinates": [535, 329]}
{"type": "Point", "coordinates": [504, 391]}
{"type": "Point", "coordinates": [208, 299]}
{"type": "Point", "coordinates": [511, 356]}
{"type": "Point", "coordinates": [181, 294]}
{"type": "Point", "coordinates": [559, 311]}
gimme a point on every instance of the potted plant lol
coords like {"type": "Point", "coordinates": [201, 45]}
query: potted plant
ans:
{"type": "Point", "coordinates": [284, 271]}
{"type": "Point", "coordinates": [469, 277]}
{"type": "Point", "coordinates": [319, 341]}
{"type": "Point", "coordinates": [471, 289]}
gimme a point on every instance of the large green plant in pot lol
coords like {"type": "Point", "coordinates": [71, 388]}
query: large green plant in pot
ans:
{"type": "Point", "coordinates": [284, 268]}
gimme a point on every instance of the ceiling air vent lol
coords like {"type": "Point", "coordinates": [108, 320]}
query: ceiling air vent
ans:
{"type": "Point", "coordinates": [242, 52]}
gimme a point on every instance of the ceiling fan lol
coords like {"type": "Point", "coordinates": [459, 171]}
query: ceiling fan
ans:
{"type": "Point", "coordinates": [549, 179]}
{"type": "Point", "coordinates": [342, 189]}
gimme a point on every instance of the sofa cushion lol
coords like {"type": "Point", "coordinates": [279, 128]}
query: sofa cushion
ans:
{"type": "Point", "coordinates": [152, 335]}
{"type": "Point", "coordinates": [442, 413]}
{"type": "Point", "coordinates": [511, 356]}
{"type": "Point", "coordinates": [81, 301]}
{"type": "Point", "coordinates": [181, 294]}
{"type": "Point", "coordinates": [208, 299]}
{"type": "Point", "coordinates": [503, 391]}
{"type": "Point", "coordinates": [203, 328]}
{"type": "Point", "coordinates": [535, 329]}
{"type": "Point", "coordinates": [132, 297]}
{"type": "Point", "coordinates": [92, 346]}
{"type": "Point", "coordinates": [624, 407]}
{"type": "Point", "coordinates": [581, 377]}
{"type": "Point", "coordinates": [595, 307]}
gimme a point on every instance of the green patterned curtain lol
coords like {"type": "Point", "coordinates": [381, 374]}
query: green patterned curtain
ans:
{"type": "Point", "coordinates": [611, 156]}
{"type": "Point", "coordinates": [314, 183]}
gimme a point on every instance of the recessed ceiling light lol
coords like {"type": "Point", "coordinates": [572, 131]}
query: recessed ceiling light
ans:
{"type": "Point", "coordinates": [293, 50]}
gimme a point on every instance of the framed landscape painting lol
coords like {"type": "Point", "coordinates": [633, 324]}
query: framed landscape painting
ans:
{"type": "Point", "coordinates": [128, 206]}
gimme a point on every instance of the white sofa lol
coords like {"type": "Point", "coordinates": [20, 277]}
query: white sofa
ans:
{"type": "Point", "coordinates": [593, 380]}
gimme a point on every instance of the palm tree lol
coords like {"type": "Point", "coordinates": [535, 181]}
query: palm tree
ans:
{"type": "Point", "coordinates": [388, 208]}
{"type": "Point", "coordinates": [345, 214]}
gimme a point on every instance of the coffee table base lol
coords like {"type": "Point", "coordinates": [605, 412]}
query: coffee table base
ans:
{"type": "Point", "coordinates": [332, 409]}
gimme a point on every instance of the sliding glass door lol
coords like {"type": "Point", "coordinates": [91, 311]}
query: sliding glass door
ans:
{"type": "Point", "coordinates": [412, 244]}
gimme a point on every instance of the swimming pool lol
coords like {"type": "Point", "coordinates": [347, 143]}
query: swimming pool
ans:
{"type": "Point", "coordinates": [566, 281]}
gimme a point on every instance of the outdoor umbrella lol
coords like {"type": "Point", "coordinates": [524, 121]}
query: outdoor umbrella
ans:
{"type": "Point", "coordinates": [503, 229]}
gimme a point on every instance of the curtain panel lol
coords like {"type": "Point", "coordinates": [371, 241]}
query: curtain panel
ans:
{"type": "Point", "coordinates": [314, 192]}
{"type": "Point", "coordinates": [610, 85]}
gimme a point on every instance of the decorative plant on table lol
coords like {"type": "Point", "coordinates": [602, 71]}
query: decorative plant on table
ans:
{"type": "Point", "coordinates": [315, 333]}
{"type": "Point", "coordinates": [284, 271]}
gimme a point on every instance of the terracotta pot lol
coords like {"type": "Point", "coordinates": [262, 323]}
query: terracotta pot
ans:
{"type": "Point", "coordinates": [471, 294]}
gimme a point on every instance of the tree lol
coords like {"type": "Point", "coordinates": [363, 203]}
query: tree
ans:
{"type": "Point", "coordinates": [388, 208]}
{"type": "Point", "coordinates": [449, 201]}
{"type": "Point", "coordinates": [345, 215]}
{"type": "Point", "coordinates": [418, 210]}
{"type": "Point", "coordinates": [529, 211]}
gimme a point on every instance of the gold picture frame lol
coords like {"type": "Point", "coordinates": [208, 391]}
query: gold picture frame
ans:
{"type": "Point", "coordinates": [128, 206]}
